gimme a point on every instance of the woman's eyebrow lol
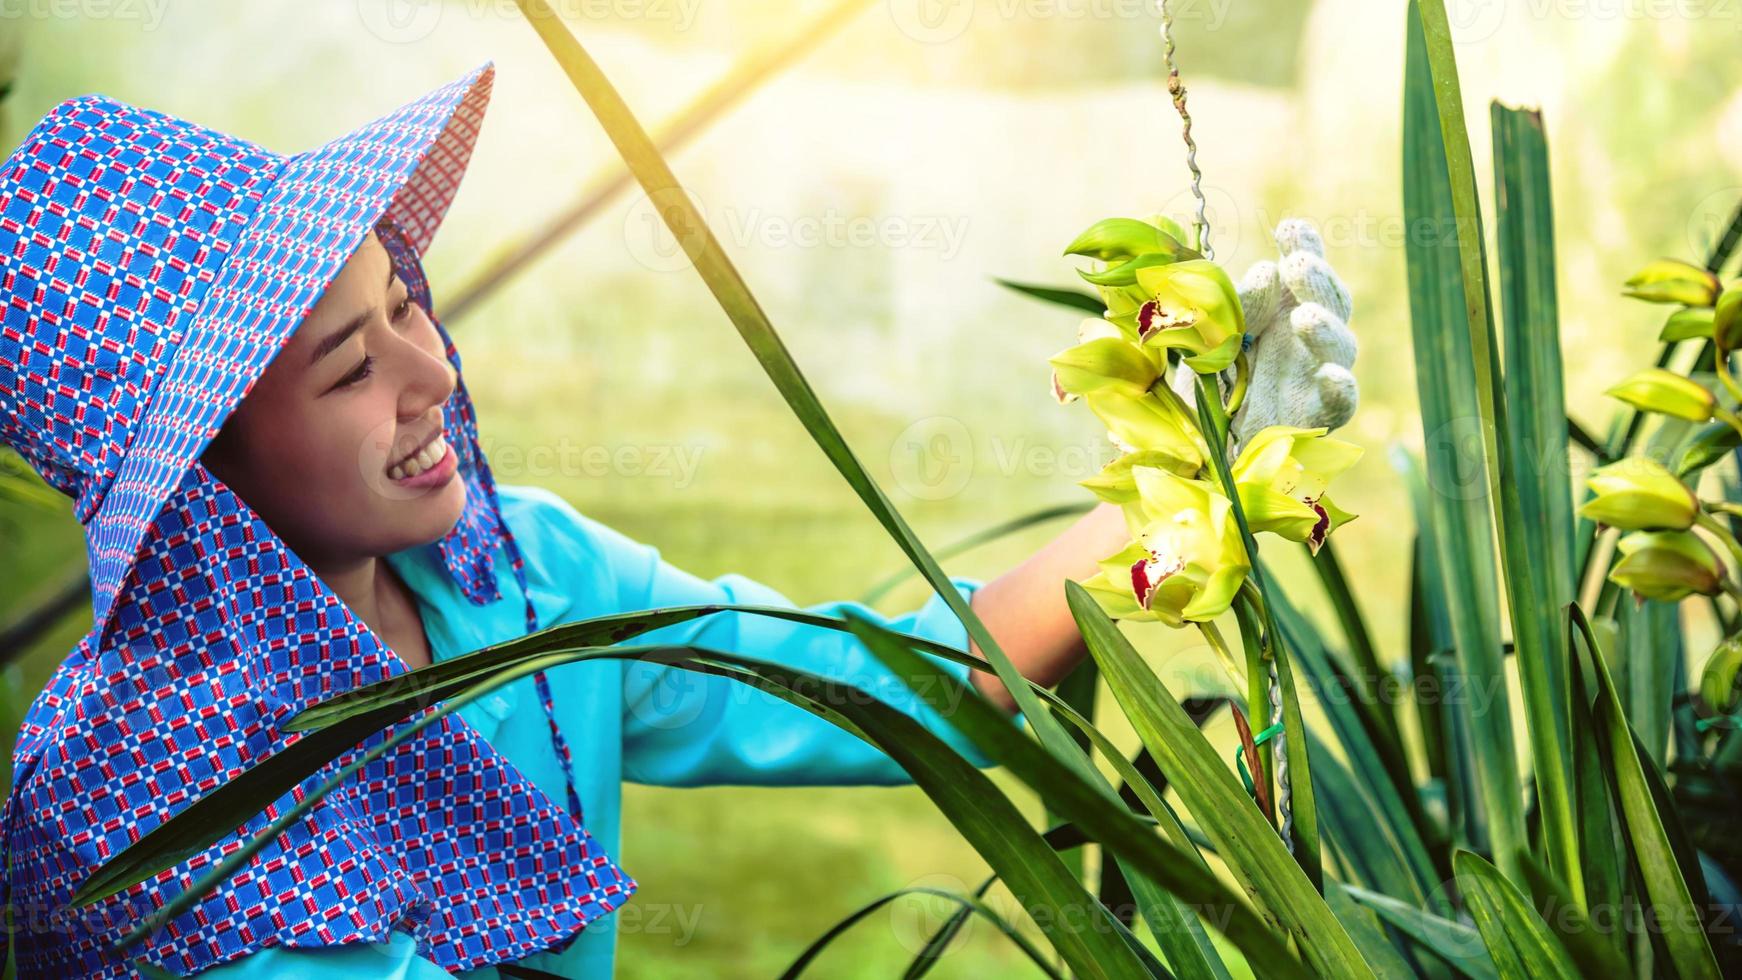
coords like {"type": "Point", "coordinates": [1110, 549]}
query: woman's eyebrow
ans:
{"type": "Point", "coordinates": [333, 341]}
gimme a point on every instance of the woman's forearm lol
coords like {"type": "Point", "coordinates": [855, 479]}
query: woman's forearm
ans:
{"type": "Point", "coordinates": [1025, 610]}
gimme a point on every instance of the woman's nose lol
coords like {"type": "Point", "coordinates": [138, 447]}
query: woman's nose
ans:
{"type": "Point", "coordinates": [428, 379]}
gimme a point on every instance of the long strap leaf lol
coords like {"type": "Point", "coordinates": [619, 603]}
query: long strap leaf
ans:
{"type": "Point", "coordinates": [1085, 804]}
{"type": "Point", "coordinates": [692, 232]}
{"type": "Point", "coordinates": [1667, 889]}
{"type": "Point", "coordinates": [1454, 378]}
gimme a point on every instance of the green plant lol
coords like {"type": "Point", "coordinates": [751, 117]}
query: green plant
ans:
{"type": "Point", "coordinates": [1606, 862]}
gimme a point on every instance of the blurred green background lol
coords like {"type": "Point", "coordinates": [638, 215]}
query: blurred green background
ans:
{"type": "Point", "coordinates": [869, 194]}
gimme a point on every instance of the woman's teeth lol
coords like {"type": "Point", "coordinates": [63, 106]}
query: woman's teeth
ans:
{"type": "Point", "coordinates": [426, 457]}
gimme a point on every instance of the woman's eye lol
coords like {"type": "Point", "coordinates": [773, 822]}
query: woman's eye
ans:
{"type": "Point", "coordinates": [401, 311]}
{"type": "Point", "coordinates": [363, 369]}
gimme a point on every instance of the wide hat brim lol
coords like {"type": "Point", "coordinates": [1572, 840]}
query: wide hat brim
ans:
{"type": "Point", "coordinates": [405, 165]}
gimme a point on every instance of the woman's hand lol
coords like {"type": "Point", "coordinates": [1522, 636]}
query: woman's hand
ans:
{"type": "Point", "coordinates": [1025, 608]}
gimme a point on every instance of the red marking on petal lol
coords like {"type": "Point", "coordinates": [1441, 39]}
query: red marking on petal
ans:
{"type": "Point", "coordinates": [1059, 393]}
{"type": "Point", "coordinates": [1141, 586]}
{"type": "Point", "coordinates": [1316, 538]}
{"type": "Point", "coordinates": [1146, 318]}
{"type": "Point", "coordinates": [1144, 579]}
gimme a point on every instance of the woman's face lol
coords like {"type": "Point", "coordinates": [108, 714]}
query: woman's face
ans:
{"type": "Point", "coordinates": [339, 446]}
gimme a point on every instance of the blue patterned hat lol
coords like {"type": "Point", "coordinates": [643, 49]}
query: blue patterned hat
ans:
{"type": "Point", "coordinates": [150, 269]}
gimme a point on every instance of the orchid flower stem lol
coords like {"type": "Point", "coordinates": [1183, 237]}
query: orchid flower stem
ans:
{"type": "Point", "coordinates": [1722, 361]}
{"type": "Point", "coordinates": [1728, 418]}
{"type": "Point", "coordinates": [1722, 507]}
{"type": "Point", "coordinates": [1218, 643]}
{"type": "Point", "coordinates": [1242, 377]}
{"type": "Point", "coordinates": [1731, 590]}
{"type": "Point", "coordinates": [1719, 531]}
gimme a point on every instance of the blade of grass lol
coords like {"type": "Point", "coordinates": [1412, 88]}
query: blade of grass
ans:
{"type": "Point", "coordinates": [722, 279]}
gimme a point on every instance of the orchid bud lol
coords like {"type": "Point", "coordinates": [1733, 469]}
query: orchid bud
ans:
{"type": "Point", "coordinates": [1727, 318]}
{"type": "Point", "coordinates": [1281, 476]}
{"type": "Point", "coordinates": [1193, 306]}
{"type": "Point", "coordinates": [1712, 443]}
{"type": "Point", "coordinates": [1118, 239]}
{"type": "Point", "coordinates": [1673, 281]}
{"type": "Point", "coordinates": [1638, 494]}
{"type": "Point", "coordinates": [1667, 393]}
{"type": "Point", "coordinates": [1718, 679]}
{"type": "Point", "coordinates": [1691, 323]}
{"type": "Point", "coordinates": [1667, 565]}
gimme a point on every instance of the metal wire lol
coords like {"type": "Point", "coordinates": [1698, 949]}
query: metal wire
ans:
{"type": "Point", "coordinates": [1279, 753]}
{"type": "Point", "coordinates": [1177, 90]}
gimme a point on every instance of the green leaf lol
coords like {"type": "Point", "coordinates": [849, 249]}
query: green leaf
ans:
{"type": "Point", "coordinates": [1600, 840]}
{"type": "Point", "coordinates": [1584, 941]}
{"type": "Point", "coordinates": [1454, 942]}
{"type": "Point", "coordinates": [1240, 834]}
{"type": "Point", "coordinates": [1712, 443]}
{"type": "Point", "coordinates": [1657, 864]}
{"type": "Point", "coordinates": [1091, 805]}
{"type": "Point", "coordinates": [1368, 933]}
{"type": "Point", "coordinates": [971, 905]}
{"type": "Point", "coordinates": [1718, 679]}
{"type": "Point", "coordinates": [1305, 827]}
{"type": "Point", "coordinates": [1521, 944]}
{"type": "Point", "coordinates": [1538, 498]}
{"type": "Point", "coordinates": [678, 211]}
{"type": "Point", "coordinates": [1378, 819]}
{"type": "Point", "coordinates": [1455, 379]}
{"type": "Point", "coordinates": [1069, 298]}
{"type": "Point", "coordinates": [1002, 529]}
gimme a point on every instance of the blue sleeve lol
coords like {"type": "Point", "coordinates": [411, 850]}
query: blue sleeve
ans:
{"type": "Point", "coordinates": [396, 959]}
{"type": "Point", "coordinates": [683, 728]}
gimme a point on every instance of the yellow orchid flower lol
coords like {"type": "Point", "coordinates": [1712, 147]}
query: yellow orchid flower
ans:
{"type": "Point", "coordinates": [1186, 561]}
{"type": "Point", "coordinates": [1282, 474]}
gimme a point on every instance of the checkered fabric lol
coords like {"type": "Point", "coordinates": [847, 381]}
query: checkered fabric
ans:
{"type": "Point", "coordinates": [150, 269]}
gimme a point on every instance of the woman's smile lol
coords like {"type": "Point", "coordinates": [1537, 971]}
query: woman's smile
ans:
{"type": "Point", "coordinates": [430, 466]}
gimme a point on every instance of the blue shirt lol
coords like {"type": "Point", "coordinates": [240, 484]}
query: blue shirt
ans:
{"type": "Point", "coordinates": [627, 720]}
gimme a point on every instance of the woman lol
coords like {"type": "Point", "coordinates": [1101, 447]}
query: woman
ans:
{"type": "Point", "coordinates": [251, 556]}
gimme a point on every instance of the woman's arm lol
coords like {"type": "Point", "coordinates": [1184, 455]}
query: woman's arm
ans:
{"type": "Point", "coordinates": [1025, 611]}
